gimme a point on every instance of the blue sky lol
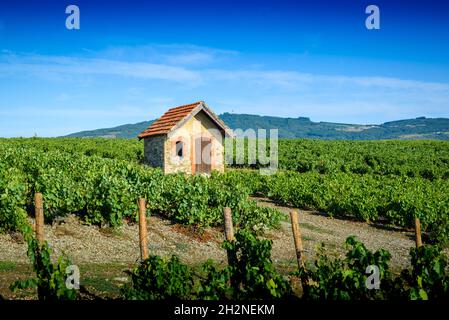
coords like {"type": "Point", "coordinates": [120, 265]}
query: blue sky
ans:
{"type": "Point", "coordinates": [131, 60]}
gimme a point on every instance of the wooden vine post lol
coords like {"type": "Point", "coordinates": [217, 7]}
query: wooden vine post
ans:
{"type": "Point", "coordinates": [229, 234]}
{"type": "Point", "coordinates": [297, 238]}
{"type": "Point", "coordinates": [229, 228]}
{"type": "Point", "coordinates": [418, 239]}
{"type": "Point", "coordinates": [143, 229]}
{"type": "Point", "coordinates": [39, 217]}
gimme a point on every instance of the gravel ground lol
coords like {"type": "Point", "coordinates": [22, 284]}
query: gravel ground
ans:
{"type": "Point", "coordinates": [104, 253]}
{"type": "Point", "coordinates": [92, 244]}
{"type": "Point", "coordinates": [317, 228]}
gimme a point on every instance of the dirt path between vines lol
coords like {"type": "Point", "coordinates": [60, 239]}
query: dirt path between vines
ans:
{"type": "Point", "coordinates": [106, 252]}
{"type": "Point", "coordinates": [317, 228]}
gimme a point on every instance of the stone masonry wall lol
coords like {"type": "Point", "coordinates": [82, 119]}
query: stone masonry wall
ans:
{"type": "Point", "coordinates": [206, 128]}
{"type": "Point", "coordinates": [173, 163]}
{"type": "Point", "coordinates": [160, 151]}
{"type": "Point", "coordinates": [154, 151]}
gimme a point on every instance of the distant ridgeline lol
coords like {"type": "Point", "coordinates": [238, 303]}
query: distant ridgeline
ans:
{"type": "Point", "coordinates": [302, 127]}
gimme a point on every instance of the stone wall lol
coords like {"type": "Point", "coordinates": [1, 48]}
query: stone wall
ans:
{"type": "Point", "coordinates": [160, 151]}
{"type": "Point", "coordinates": [173, 163]}
{"type": "Point", "coordinates": [154, 147]}
{"type": "Point", "coordinates": [198, 126]}
{"type": "Point", "coordinates": [205, 127]}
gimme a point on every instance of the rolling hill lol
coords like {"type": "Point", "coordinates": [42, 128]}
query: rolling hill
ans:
{"type": "Point", "coordinates": [302, 127]}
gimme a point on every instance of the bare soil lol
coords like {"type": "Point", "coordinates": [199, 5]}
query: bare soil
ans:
{"type": "Point", "coordinates": [318, 228]}
{"type": "Point", "coordinates": [93, 244]}
{"type": "Point", "coordinates": [104, 253]}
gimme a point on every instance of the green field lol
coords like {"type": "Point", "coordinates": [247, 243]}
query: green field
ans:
{"type": "Point", "coordinates": [99, 180]}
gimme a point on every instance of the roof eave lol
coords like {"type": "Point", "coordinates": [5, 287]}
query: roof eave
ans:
{"type": "Point", "coordinates": [202, 106]}
{"type": "Point", "coordinates": [150, 135]}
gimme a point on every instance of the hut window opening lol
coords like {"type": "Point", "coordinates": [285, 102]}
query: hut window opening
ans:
{"type": "Point", "coordinates": [179, 149]}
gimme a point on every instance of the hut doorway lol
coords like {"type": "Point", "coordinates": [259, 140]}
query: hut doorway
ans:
{"type": "Point", "coordinates": [203, 155]}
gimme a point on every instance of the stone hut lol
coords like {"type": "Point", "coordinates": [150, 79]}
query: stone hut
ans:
{"type": "Point", "coordinates": [188, 138]}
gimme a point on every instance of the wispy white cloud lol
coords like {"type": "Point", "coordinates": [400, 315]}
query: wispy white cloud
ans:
{"type": "Point", "coordinates": [54, 66]}
{"type": "Point", "coordinates": [64, 96]}
{"type": "Point", "coordinates": [173, 54]}
{"type": "Point", "coordinates": [293, 79]}
{"type": "Point", "coordinates": [179, 66]}
{"type": "Point", "coordinates": [70, 112]}
{"type": "Point", "coordinates": [122, 85]}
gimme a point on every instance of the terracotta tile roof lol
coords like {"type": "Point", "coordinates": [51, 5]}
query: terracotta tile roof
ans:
{"type": "Point", "coordinates": [164, 124]}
